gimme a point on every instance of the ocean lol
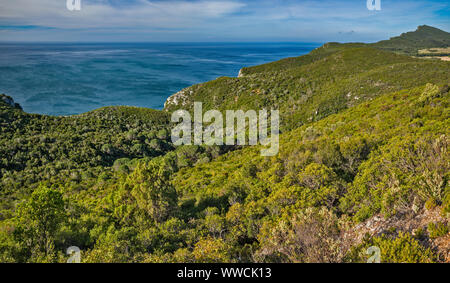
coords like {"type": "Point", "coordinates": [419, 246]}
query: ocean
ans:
{"type": "Point", "coordinates": [67, 79]}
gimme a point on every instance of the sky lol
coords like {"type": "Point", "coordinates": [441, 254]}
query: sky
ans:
{"type": "Point", "coordinates": [216, 20]}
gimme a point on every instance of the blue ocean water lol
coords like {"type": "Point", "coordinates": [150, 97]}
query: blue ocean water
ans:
{"type": "Point", "coordinates": [65, 79]}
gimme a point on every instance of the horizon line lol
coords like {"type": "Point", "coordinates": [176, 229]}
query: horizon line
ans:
{"type": "Point", "coordinates": [191, 42]}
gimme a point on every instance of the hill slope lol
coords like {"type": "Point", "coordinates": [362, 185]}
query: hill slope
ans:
{"type": "Point", "coordinates": [385, 158]}
{"type": "Point", "coordinates": [364, 151]}
{"type": "Point", "coordinates": [311, 87]}
{"type": "Point", "coordinates": [411, 42]}
{"type": "Point", "coordinates": [35, 148]}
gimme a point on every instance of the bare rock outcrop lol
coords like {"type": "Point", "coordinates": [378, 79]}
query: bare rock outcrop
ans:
{"type": "Point", "coordinates": [179, 98]}
{"type": "Point", "coordinates": [9, 101]}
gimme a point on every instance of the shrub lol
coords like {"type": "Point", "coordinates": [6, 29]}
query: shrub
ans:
{"type": "Point", "coordinates": [401, 249]}
{"type": "Point", "coordinates": [437, 230]}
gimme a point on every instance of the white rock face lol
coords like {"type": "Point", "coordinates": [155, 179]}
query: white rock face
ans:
{"type": "Point", "coordinates": [178, 98]}
{"type": "Point", "coordinates": [240, 75]}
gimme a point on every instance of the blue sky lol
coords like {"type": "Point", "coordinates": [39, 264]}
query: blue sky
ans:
{"type": "Point", "coordinates": [216, 20]}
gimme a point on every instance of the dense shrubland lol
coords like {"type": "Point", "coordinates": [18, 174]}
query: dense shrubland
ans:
{"type": "Point", "coordinates": [385, 157]}
{"type": "Point", "coordinates": [332, 78]}
{"type": "Point", "coordinates": [365, 137]}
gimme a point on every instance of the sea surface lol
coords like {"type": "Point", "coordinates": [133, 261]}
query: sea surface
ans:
{"type": "Point", "coordinates": [66, 79]}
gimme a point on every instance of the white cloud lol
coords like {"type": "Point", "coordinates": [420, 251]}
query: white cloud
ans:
{"type": "Point", "coordinates": [234, 20]}
{"type": "Point", "coordinates": [97, 14]}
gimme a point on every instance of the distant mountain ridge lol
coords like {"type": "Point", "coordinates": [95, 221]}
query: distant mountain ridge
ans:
{"type": "Point", "coordinates": [408, 43]}
{"type": "Point", "coordinates": [411, 42]}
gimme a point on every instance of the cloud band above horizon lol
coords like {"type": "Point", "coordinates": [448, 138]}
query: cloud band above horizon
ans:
{"type": "Point", "coordinates": [215, 20]}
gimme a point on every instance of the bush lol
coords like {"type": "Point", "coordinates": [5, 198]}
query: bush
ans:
{"type": "Point", "coordinates": [437, 230]}
{"type": "Point", "coordinates": [401, 249]}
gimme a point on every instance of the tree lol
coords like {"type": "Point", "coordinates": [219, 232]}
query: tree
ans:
{"type": "Point", "coordinates": [37, 222]}
{"type": "Point", "coordinates": [312, 235]}
{"type": "Point", "coordinates": [152, 190]}
{"type": "Point", "coordinates": [211, 250]}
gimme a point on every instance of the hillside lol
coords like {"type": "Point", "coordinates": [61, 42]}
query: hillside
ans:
{"type": "Point", "coordinates": [308, 88]}
{"type": "Point", "coordinates": [35, 148]}
{"type": "Point", "coordinates": [384, 159]}
{"type": "Point", "coordinates": [356, 178]}
{"type": "Point", "coordinates": [410, 43]}
{"type": "Point", "coordinates": [363, 162]}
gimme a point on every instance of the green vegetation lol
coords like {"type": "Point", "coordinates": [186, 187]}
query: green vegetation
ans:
{"type": "Point", "coordinates": [387, 156]}
{"type": "Point", "coordinates": [437, 230]}
{"type": "Point", "coordinates": [364, 150]}
{"type": "Point", "coordinates": [36, 148]}
{"type": "Point", "coordinates": [411, 42]}
{"type": "Point", "coordinates": [400, 249]}
{"type": "Point", "coordinates": [330, 79]}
